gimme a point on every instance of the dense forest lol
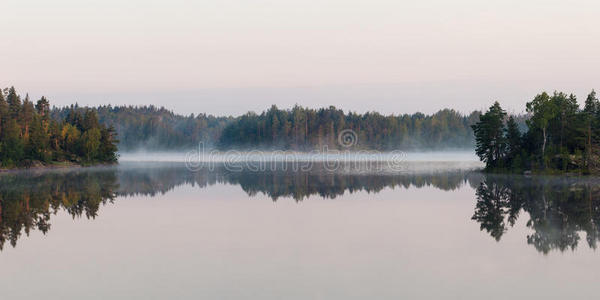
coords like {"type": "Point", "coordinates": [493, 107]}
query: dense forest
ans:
{"type": "Point", "coordinates": [299, 128]}
{"type": "Point", "coordinates": [304, 129]}
{"type": "Point", "coordinates": [560, 137]}
{"type": "Point", "coordinates": [30, 137]}
{"type": "Point", "coordinates": [152, 128]}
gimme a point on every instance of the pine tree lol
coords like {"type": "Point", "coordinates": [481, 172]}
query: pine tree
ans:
{"type": "Point", "coordinates": [43, 107]}
{"type": "Point", "coordinates": [26, 116]}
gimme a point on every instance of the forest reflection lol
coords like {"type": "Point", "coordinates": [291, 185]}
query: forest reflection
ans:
{"type": "Point", "coordinates": [559, 208]}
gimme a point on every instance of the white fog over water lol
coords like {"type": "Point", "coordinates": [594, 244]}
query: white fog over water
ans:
{"type": "Point", "coordinates": [437, 156]}
{"type": "Point", "coordinates": [346, 162]}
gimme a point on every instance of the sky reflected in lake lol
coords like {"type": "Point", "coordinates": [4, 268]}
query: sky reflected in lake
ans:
{"type": "Point", "coordinates": [159, 231]}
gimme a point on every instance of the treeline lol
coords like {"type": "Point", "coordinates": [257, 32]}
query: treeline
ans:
{"type": "Point", "coordinates": [299, 128]}
{"type": "Point", "coordinates": [149, 127]}
{"type": "Point", "coordinates": [302, 128]}
{"type": "Point", "coordinates": [560, 136]}
{"type": "Point", "coordinates": [29, 136]}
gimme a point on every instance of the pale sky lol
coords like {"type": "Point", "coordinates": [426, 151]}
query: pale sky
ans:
{"type": "Point", "coordinates": [231, 56]}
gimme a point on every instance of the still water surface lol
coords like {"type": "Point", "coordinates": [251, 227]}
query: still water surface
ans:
{"type": "Point", "coordinates": [158, 231]}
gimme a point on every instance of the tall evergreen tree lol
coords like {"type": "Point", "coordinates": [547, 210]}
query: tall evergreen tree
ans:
{"type": "Point", "coordinates": [513, 138]}
{"type": "Point", "coordinates": [14, 103]}
{"type": "Point", "coordinates": [43, 107]}
{"type": "Point", "coordinates": [489, 136]}
{"type": "Point", "coordinates": [26, 116]}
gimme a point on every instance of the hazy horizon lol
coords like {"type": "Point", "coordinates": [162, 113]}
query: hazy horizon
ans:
{"type": "Point", "coordinates": [347, 98]}
{"type": "Point", "coordinates": [184, 102]}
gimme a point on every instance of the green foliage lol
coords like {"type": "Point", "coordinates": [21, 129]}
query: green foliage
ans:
{"type": "Point", "coordinates": [542, 110]}
{"type": "Point", "coordinates": [560, 136]}
{"type": "Point", "coordinates": [28, 134]}
{"type": "Point", "coordinates": [43, 107]}
{"type": "Point", "coordinates": [39, 142]}
{"type": "Point", "coordinates": [490, 142]}
{"type": "Point", "coordinates": [305, 129]}
{"type": "Point", "coordinates": [90, 143]}
{"type": "Point", "coordinates": [299, 128]}
{"type": "Point", "coordinates": [12, 144]}
{"type": "Point", "coordinates": [108, 145]}
{"type": "Point", "coordinates": [14, 103]}
{"type": "Point", "coordinates": [513, 138]}
{"type": "Point", "coordinates": [70, 137]}
{"type": "Point", "coordinates": [149, 127]}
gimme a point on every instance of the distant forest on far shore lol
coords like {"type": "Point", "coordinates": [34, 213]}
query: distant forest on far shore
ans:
{"type": "Point", "coordinates": [298, 128]}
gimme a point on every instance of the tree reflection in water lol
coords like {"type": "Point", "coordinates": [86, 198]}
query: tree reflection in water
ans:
{"type": "Point", "coordinates": [559, 208]}
{"type": "Point", "coordinates": [27, 200]}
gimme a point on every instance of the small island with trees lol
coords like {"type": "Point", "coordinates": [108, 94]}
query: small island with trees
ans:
{"type": "Point", "coordinates": [29, 137]}
{"type": "Point", "coordinates": [560, 137]}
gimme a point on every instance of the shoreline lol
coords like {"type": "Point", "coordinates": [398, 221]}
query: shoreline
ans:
{"type": "Point", "coordinates": [548, 172]}
{"type": "Point", "coordinates": [39, 166]}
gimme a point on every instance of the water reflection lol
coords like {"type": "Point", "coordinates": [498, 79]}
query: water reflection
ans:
{"type": "Point", "coordinates": [28, 200]}
{"type": "Point", "coordinates": [278, 182]}
{"type": "Point", "coordinates": [559, 209]}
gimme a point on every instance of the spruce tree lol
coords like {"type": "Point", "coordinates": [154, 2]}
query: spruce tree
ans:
{"type": "Point", "coordinates": [14, 103]}
{"type": "Point", "coordinates": [489, 136]}
{"type": "Point", "coordinates": [513, 137]}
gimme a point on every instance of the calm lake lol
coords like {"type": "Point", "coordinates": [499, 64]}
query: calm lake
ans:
{"type": "Point", "coordinates": [429, 231]}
